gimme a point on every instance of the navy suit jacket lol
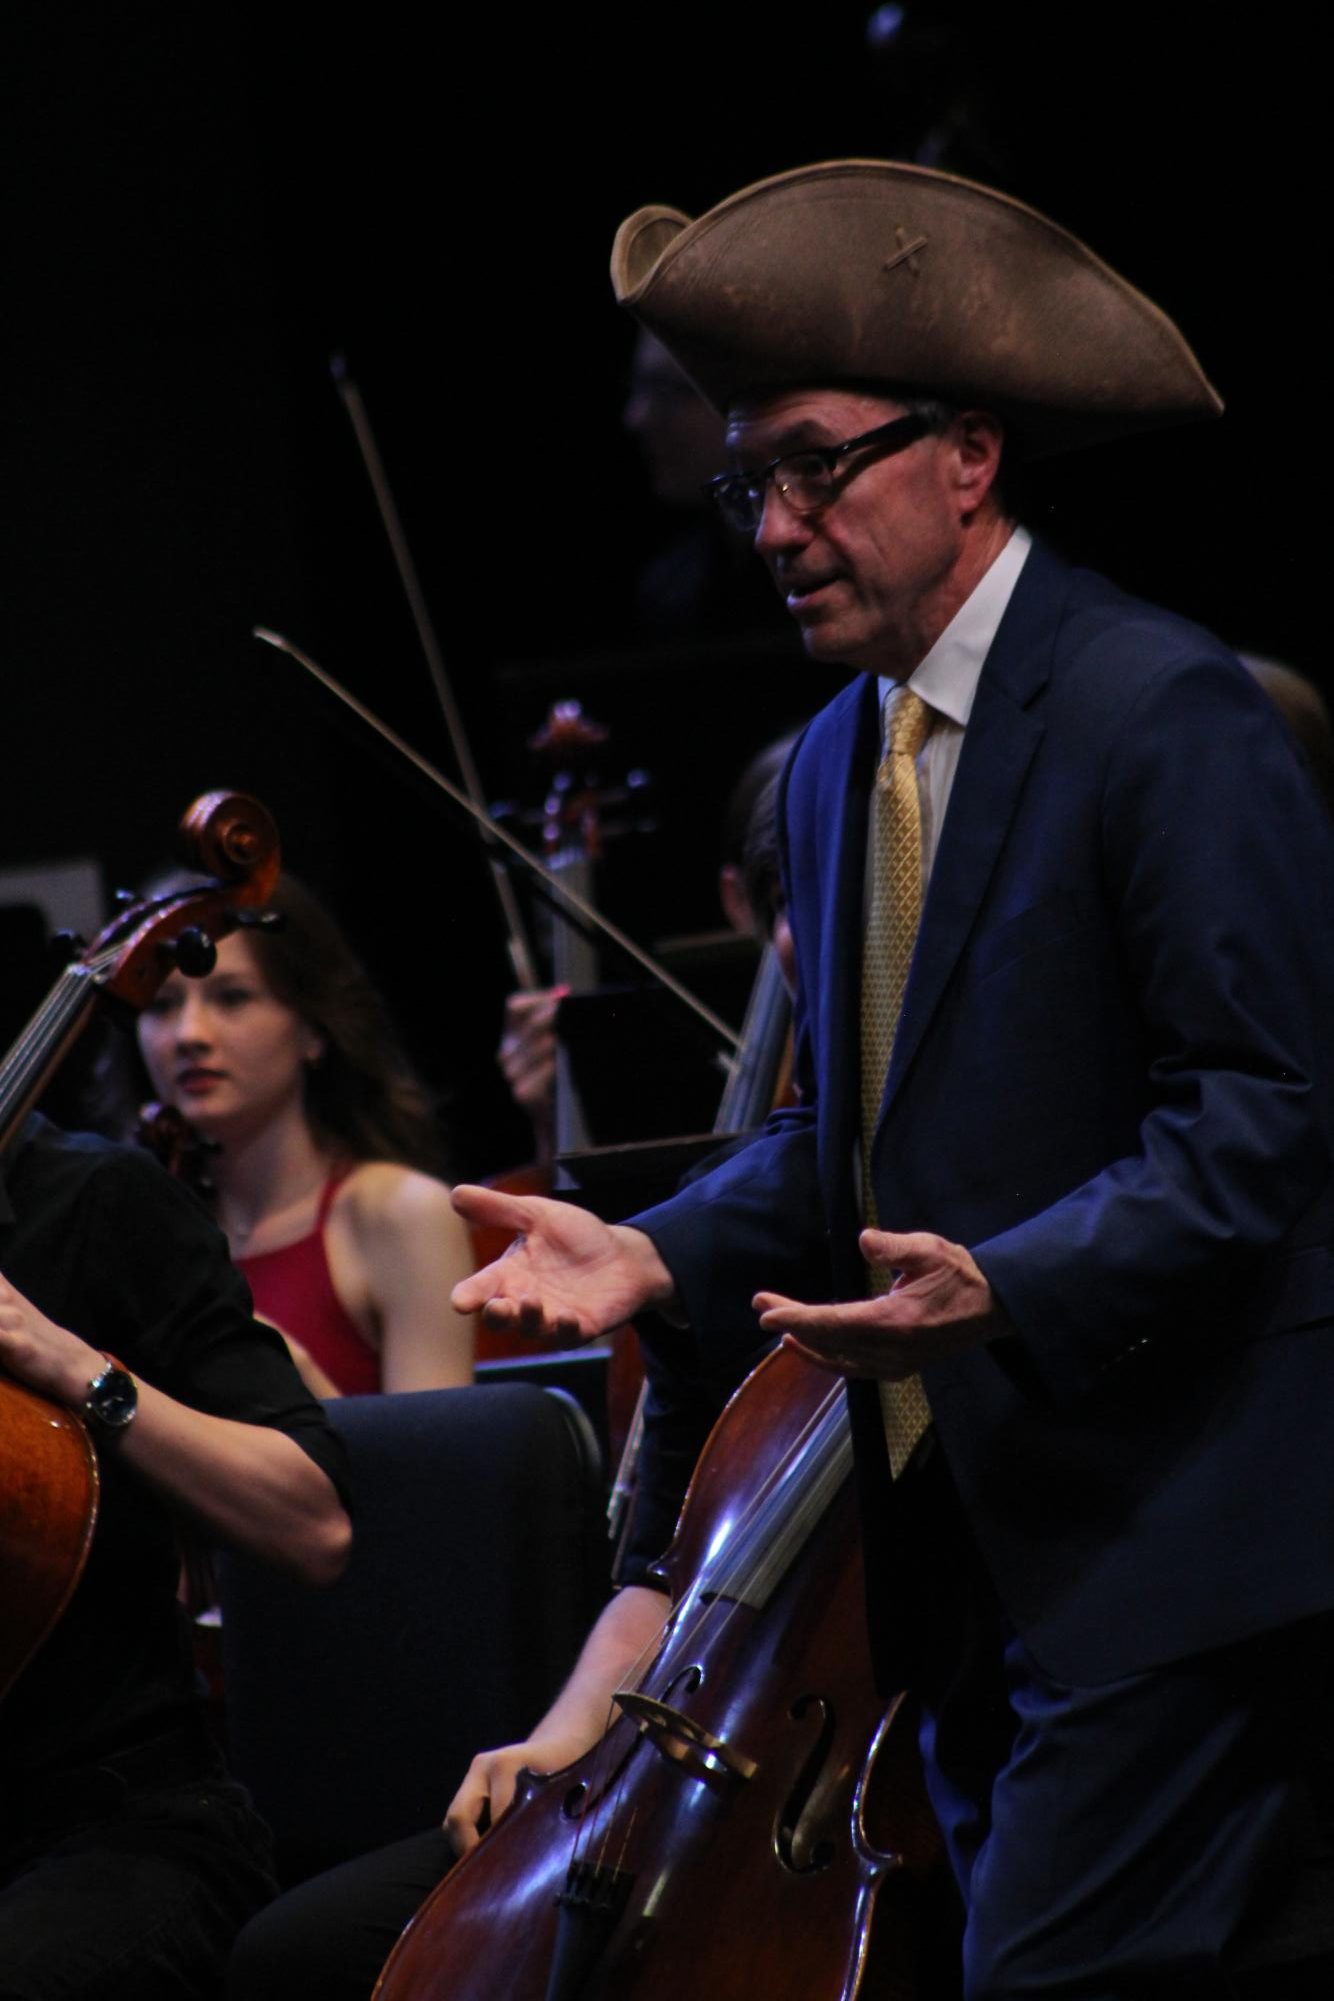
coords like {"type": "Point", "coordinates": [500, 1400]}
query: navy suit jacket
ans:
{"type": "Point", "coordinates": [1109, 1082]}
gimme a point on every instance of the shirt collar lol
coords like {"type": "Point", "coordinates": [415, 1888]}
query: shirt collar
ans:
{"type": "Point", "coordinates": [948, 676]}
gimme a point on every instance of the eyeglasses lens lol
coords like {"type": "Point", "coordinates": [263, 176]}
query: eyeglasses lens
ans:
{"type": "Point", "coordinates": [803, 480]}
{"type": "Point", "coordinates": [805, 483]}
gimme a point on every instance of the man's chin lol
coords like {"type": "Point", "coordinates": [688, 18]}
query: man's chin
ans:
{"type": "Point", "coordinates": [824, 642]}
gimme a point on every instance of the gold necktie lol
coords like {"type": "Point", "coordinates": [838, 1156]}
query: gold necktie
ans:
{"type": "Point", "coordinates": [891, 932]}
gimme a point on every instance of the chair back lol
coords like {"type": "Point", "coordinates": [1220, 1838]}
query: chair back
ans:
{"type": "Point", "coordinates": [479, 1561]}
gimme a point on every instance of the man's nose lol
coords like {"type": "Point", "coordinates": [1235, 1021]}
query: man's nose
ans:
{"type": "Point", "coordinates": [780, 526]}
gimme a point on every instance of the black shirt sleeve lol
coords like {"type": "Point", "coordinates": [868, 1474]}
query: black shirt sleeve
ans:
{"type": "Point", "coordinates": [109, 1245]}
{"type": "Point", "coordinates": [105, 1243]}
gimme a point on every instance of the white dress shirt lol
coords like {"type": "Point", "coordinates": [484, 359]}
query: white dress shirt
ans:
{"type": "Point", "coordinates": [947, 682]}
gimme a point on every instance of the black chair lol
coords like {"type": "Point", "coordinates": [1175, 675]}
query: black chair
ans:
{"type": "Point", "coordinates": [582, 1372]}
{"type": "Point", "coordinates": [478, 1564]}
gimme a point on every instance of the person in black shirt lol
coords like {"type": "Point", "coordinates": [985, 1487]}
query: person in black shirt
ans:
{"type": "Point", "coordinates": [127, 1858]}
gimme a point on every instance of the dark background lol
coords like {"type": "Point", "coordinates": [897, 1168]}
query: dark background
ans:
{"type": "Point", "coordinates": [199, 205]}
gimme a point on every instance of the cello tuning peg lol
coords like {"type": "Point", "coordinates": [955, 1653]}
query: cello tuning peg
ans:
{"type": "Point", "coordinates": [260, 920]}
{"type": "Point", "coordinates": [194, 952]}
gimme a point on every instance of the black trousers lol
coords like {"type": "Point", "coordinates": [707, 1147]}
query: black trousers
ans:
{"type": "Point", "coordinates": [331, 1936]}
{"type": "Point", "coordinates": [117, 1888]}
{"type": "Point", "coordinates": [1108, 1841]}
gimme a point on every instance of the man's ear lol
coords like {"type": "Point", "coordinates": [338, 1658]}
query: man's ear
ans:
{"type": "Point", "coordinates": [979, 439]}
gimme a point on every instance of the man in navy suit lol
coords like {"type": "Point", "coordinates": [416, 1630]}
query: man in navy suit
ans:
{"type": "Point", "coordinates": [1099, 1171]}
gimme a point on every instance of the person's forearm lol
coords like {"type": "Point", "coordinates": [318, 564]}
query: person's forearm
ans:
{"type": "Point", "coordinates": [629, 1624]}
{"type": "Point", "coordinates": [251, 1486]}
{"type": "Point", "coordinates": [247, 1483]}
{"type": "Point", "coordinates": [626, 1628]}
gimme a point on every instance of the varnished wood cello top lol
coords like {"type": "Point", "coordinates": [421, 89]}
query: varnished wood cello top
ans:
{"type": "Point", "coordinates": [753, 1821]}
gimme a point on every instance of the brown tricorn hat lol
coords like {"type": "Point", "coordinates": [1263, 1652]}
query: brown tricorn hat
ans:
{"type": "Point", "coordinates": [867, 271]}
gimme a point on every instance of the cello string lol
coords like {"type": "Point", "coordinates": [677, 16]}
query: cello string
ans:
{"type": "Point", "coordinates": [602, 1753]}
{"type": "Point", "coordinates": [47, 1014]}
{"type": "Point", "coordinates": [598, 1782]}
{"type": "Point", "coordinates": [23, 1067]}
{"type": "Point", "coordinates": [748, 1522]}
{"type": "Point", "coordinates": [73, 993]}
{"type": "Point", "coordinates": [606, 1808]}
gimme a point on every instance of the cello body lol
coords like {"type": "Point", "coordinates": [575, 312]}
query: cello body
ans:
{"type": "Point", "coordinates": [754, 1819]}
{"type": "Point", "coordinates": [48, 1506]}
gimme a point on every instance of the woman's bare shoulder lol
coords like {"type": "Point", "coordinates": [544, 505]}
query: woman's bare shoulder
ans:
{"type": "Point", "coordinates": [383, 1195]}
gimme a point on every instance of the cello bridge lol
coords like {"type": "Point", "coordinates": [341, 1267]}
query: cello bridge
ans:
{"type": "Point", "coordinates": [679, 1737]}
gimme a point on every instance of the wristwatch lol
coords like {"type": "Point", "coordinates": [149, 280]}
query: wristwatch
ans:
{"type": "Point", "coordinates": [113, 1397]}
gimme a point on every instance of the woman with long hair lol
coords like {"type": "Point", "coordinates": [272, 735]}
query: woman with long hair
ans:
{"type": "Point", "coordinates": [323, 1152]}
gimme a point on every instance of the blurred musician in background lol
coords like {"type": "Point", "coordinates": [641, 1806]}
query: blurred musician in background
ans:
{"type": "Point", "coordinates": [698, 583]}
{"type": "Point", "coordinates": [323, 1153]}
{"type": "Point", "coordinates": [749, 891]}
{"type": "Point", "coordinates": [1305, 714]}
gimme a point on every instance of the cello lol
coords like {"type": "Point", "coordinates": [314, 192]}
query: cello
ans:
{"type": "Point", "coordinates": [758, 1080]}
{"type": "Point", "coordinates": [754, 1819]}
{"type": "Point", "coordinates": [48, 1474]}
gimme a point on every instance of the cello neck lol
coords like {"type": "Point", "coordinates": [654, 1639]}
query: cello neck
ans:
{"type": "Point", "coordinates": [752, 1082]}
{"type": "Point", "coordinates": [574, 964]}
{"type": "Point", "coordinates": [33, 1060]}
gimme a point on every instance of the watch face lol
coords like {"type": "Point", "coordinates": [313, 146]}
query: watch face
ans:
{"type": "Point", "coordinates": [113, 1399]}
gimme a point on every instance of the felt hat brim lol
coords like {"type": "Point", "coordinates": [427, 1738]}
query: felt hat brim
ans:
{"type": "Point", "coordinates": [871, 271]}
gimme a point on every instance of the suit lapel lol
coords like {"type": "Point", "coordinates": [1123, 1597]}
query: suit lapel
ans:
{"type": "Point", "coordinates": [1003, 733]}
{"type": "Point", "coordinates": [848, 776]}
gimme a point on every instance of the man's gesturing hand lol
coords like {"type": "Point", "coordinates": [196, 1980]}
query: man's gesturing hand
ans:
{"type": "Point", "coordinates": [939, 1305]}
{"type": "Point", "coordinates": [567, 1275]}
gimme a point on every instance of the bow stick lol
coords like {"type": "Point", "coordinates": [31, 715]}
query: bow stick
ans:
{"type": "Point", "coordinates": [494, 832]}
{"type": "Point", "coordinates": [521, 957]}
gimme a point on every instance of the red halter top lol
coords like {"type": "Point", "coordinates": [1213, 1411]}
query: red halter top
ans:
{"type": "Point", "coordinates": [292, 1287]}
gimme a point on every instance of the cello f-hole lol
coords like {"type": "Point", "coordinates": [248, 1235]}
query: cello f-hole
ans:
{"type": "Point", "coordinates": [576, 1801]}
{"type": "Point", "coordinates": [801, 1845]}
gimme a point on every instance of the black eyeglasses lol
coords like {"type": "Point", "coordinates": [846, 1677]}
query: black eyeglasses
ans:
{"type": "Point", "coordinates": [806, 479]}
